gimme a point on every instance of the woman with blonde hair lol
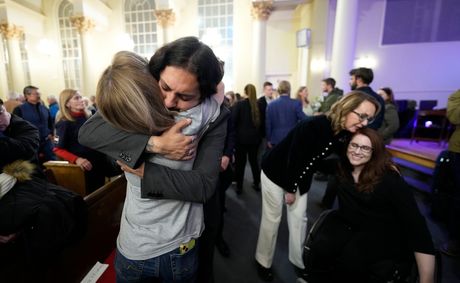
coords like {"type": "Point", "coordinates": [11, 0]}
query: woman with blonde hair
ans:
{"type": "Point", "coordinates": [129, 97]}
{"type": "Point", "coordinates": [71, 116]}
{"type": "Point", "coordinates": [302, 95]}
{"type": "Point", "coordinates": [246, 119]}
{"type": "Point", "coordinates": [287, 172]}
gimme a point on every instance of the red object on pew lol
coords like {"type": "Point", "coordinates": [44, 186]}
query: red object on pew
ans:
{"type": "Point", "coordinates": [109, 274]}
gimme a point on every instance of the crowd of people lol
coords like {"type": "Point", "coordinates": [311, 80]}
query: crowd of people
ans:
{"type": "Point", "coordinates": [181, 142]}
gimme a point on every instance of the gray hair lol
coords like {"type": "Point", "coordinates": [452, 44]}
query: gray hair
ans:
{"type": "Point", "coordinates": [13, 95]}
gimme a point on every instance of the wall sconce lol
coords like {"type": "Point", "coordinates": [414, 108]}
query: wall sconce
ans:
{"type": "Point", "coordinates": [318, 65]}
{"type": "Point", "coordinates": [366, 61]}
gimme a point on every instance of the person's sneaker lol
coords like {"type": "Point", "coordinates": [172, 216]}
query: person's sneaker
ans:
{"type": "Point", "coordinates": [450, 249]}
{"type": "Point", "coordinates": [223, 249]}
{"type": "Point", "coordinates": [266, 274]}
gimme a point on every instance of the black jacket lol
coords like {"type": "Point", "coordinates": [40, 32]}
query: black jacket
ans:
{"type": "Point", "coordinates": [292, 162]}
{"type": "Point", "coordinates": [387, 220]}
{"type": "Point", "coordinates": [262, 103]}
{"type": "Point", "coordinates": [246, 131]}
{"type": "Point", "coordinates": [20, 140]}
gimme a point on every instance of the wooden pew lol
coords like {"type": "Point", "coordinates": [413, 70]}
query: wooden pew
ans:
{"type": "Point", "coordinates": [66, 175]}
{"type": "Point", "coordinates": [105, 206]}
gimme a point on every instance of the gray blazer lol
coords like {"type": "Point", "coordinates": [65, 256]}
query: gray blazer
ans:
{"type": "Point", "coordinates": [197, 185]}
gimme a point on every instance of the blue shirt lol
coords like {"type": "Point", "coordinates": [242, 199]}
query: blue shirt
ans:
{"type": "Point", "coordinates": [282, 115]}
{"type": "Point", "coordinates": [54, 108]}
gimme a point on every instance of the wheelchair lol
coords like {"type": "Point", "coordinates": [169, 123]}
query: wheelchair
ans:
{"type": "Point", "coordinates": [320, 269]}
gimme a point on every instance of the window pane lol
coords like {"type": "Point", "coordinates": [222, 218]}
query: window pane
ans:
{"type": "Point", "coordinates": [143, 21]}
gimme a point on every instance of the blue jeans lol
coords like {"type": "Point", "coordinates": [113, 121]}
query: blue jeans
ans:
{"type": "Point", "coordinates": [169, 267]}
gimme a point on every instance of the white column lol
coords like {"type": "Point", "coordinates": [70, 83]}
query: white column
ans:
{"type": "Point", "coordinates": [302, 66]}
{"type": "Point", "coordinates": [84, 25]}
{"type": "Point", "coordinates": [260, 12]}
{"type": "Point", "coordinates": [343, 49]}
{"type": "Point", "coordinates": [165, 19]}
{"type": "Point", "coordinates": [13, 33]}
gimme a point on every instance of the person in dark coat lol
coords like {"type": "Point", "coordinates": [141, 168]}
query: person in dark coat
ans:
{"type": "Point", "coordinates": [387, 228]}
{"type": "Point", "coordinates": [38, 218]}
{"type": "Point", "coordinates": [360, 79]}
{"type": "Point", "coordinates": [19, 139]}
{"type": "Point", "coordinates": [68, 122]}
{"type": "Point", "coordinates": [390, 123]}
{"type": "Point", "coordinates": [37, 114]}
{"type": "Point", "coordinates": [247, 123]}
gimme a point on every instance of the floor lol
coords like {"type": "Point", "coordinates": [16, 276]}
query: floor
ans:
{"type": "Point", "coordinates": [241, 230]}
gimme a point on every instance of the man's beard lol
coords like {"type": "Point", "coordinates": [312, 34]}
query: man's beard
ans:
{"type": "Point", "coordinates": [353, 86]}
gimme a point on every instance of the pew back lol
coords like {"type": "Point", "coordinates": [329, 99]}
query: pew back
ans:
{"type": "Point", "coordinates": [67, 175]}
{"type": "Point", "coordinates": [105, 206]}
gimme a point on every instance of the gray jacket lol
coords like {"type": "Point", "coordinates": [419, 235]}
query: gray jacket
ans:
{"type": "Point", "coordinates": [197, 185]}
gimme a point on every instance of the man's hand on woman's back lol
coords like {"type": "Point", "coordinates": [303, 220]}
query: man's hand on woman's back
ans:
{"type": "Point", "coordinates": [172, 144]}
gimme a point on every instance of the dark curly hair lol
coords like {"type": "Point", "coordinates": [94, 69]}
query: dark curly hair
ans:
{"type": "Point", "coordinates": [193, 56]}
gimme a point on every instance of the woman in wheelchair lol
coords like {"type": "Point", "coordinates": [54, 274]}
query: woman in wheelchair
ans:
{"type": "Point", "coordinates": [384, 228]}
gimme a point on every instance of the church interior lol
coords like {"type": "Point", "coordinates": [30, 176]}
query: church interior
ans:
{"type": "Point", "coordinates": [409, 45]}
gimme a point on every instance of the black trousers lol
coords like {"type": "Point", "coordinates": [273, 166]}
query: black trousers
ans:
{"type": "Point", "coordinates": [214, 225]}
{"type": "Point", "coordinates": [243, 151]}
{"type": "Point", "coordinates": [207, 241]}
{"type": "Point", "coordinates": [225, 180]}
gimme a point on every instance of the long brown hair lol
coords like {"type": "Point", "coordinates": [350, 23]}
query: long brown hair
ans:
{"type": "Point", "coordinates": [250, 91]}
{"type": "Point", "coordinates": [129, 97]}
{"type": "Point", "coordinates": [375, 168]}
{"type": "Point", "coordinates": [302, 98]}
{"type": "Point", "coordinates": [64, 112]}
{"type": "Point", "coordinates": [347, 104]}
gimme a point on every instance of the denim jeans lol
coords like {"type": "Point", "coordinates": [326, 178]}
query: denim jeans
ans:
{"type": "Point", "coordinates": [169, 267]}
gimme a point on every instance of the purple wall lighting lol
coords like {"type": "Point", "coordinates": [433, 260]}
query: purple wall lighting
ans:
{"type": "Point", "coordinates": [414, 21]}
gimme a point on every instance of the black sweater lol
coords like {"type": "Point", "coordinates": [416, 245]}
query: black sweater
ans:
{"type": "Point", "coordinates": [388, 218]}
{"type": "Point", "coordinates": [292, 162]}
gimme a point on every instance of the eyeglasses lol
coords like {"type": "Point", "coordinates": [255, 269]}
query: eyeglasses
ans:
{"type": "Point", "coordinates": [364, 116]}
{"type": "Point", "coordinates": [364, 148]}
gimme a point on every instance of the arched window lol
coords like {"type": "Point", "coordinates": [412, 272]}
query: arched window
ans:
{"type": "Point", "coordinates": [216, 30]}
{"type": "Point", "coordinates": [70, 45]}
{"type": "Point", "coordinates": [141, 25]}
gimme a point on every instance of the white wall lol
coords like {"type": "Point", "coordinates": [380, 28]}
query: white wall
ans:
{"type": "Point", "coordinates": [242, 45]}
{"type": "Point", "coordinates": [416, 71]}
{"type": "Point", "coordinates": [281, 52]}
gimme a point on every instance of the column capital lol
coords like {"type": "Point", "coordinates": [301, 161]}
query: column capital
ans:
{"type": "Point", "coordinates": [165, 17]}
{"type": "Point", "coordinates": [261, 10]}
{"type": "Point", "coordinates": [11, 31]}
{"type": "Point", "coordinates": [82, 24]}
